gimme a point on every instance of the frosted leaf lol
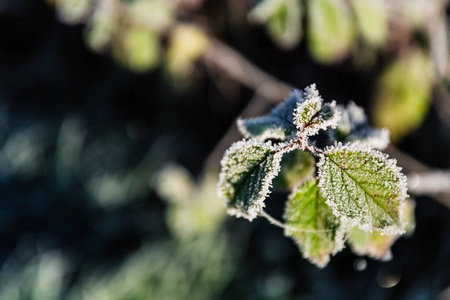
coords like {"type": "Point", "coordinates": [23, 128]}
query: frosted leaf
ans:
{"type": "Point", "coordinates": [312, 115]}
{"type": "Point", "coordinates": [296, 166]}
{"type": "Point", "coordinates": [323, 234]}
{"type": "Point", "coordinates": [248, 168]}
{"type": "Point", "coordinates": [375, 244]}
{"type": "Point", "coordinates": [278, 124]}
{"type": "Point", "coordinates": [354, 126]}
{"type": "Point", "coordinates": [363, 187]}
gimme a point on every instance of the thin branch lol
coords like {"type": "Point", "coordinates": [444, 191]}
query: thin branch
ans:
{"type": "Point", "coordinates": [268, 90]}
{"type": "Point", "coordinates": [255, 107]}
{"type": "Point", "coordinates": [406, 161]}
{"type": "Point", "coordinates": [429, 183]}
{"type": "Point", "coordinates": [236, 66]}
{"type": "Point", "coordinates": [277, 223]}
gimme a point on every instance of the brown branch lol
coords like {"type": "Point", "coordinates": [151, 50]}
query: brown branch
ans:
{"type": "Point", "coordinates": [268, 90]}
{"type": "Point", "coordinates": [255, 107]}
{"type": "Point", "coordinates": [233, 64]}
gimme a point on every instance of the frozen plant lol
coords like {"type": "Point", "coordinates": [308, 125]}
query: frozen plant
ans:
{"type": "Point", "coordinates": [358, 194]}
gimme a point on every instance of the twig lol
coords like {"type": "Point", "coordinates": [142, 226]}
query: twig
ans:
{"type": "Point", "coordinates": [407, 162]}
{"type": "Point", "coordinates": [236, 66]}
{"type": "Point", "coordinates": [268, 90]}
{"type": "Point", "coordinates": [255, 107]}
{"type": "Point", "coordinates": [277, 223]}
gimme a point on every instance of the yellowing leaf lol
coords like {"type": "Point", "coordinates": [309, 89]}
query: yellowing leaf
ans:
{"type": "Point", "coordinates": [156, 15]}
{"type": "Point", "coordinates": [402, 101]}
{"type": "Point", "coordinates": [377, 245]}
{"type": "Point", "coordinates": [139, 49]}
{"type": "Point", "coordinates": [187, 44]}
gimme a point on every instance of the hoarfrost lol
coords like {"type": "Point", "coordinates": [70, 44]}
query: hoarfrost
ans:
{"type": "Point", "coordinates": [312, 115]}
{"type": "Point", "coordinates": [278, 124]}
{"type": "Point", "coordinates": [322, 233]}
{"type": "Point", "coordinates": [248, 168]}
{"type": "Point", "coordinates": [363, 187]}
{"type": "Point", "coordinates": [354, 126]}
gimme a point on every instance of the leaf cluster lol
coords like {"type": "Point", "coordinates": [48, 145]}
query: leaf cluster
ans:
{"type": "Point", "coordinates": [346, 190]}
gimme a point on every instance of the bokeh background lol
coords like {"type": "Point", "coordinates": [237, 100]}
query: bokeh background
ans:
{"type": "Point", "coordinates": [114, 115]}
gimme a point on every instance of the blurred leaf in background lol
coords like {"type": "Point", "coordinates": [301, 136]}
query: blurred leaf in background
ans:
{"type": "Point", "coordinates": [194, 209]}
{"type": "Point", "coordinates": [371, 21]}
{"type": "Point", "coordinates": [283, 20]}
{"type": "Point", "coordinates": [375, 244]}
{"type": "Point", "coordinates": [403, 94]}
{"type": "Point", "coordinates": [138, 49]}
{"type": "Point", "coordinates": [73, 11]}
{"type": "Point", "coordinates": [331, 30]}
{"type": "Point", "coordinates": [187, 44]}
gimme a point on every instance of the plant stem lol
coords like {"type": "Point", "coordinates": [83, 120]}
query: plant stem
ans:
{"type": "Point", "coordinates": [277, 223]}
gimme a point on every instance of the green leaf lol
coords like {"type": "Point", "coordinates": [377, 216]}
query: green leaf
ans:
{"type": "Point", "coordinates": [363, 187]}
{"type": "Point", "coordinates": [139, 49]}
{"type": "Point", "coordinates": [319, 233]}
{"type": "Point", "coordinates": [248, 169]}
{"type": "Point", "coordinates": [187, 44]}
{"type": "Point", "coordinates": [311, 115]}
{"type": "Point", "coordinates": [353, 126]}
{"type": "Point", "coordinates": [371, 18]}
{"type": "Point", "coordinates": [296, 166]}
{"type": "Point", "coordinates": [283, 19]}
{"type": "Point", "coordinates": [73, 11]}
{"type": "Point", "coordinates": [375, 244]}
{"type": "Point", "coordinates": [404, 89]}
{"type": "Point", "coordinates": [330, 30]}
{"type": "Point", "coordinates": [278, 124]}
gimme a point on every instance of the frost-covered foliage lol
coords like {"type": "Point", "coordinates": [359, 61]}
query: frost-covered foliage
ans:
{"type": "Point", "coordinates": [353, 126]}
{"type": "Point", "coordinates": [359, 195]}
{"type": "Point", "coordinates": [248, 169]}
{"type": "Point", "coordinates": [277, 125]}
{"type": "Point", "coordinates": [322, 232]}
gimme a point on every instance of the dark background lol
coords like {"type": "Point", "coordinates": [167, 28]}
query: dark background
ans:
{"type": "Point", "coordinates": [49, 79]}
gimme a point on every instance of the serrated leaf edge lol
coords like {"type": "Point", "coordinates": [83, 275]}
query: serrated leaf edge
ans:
{"type": "Point", "coordinates": [312, 96]}
{"type": "Point", "coordinates": [392, 163]}
{"type": "Point", "coordinates": [339, 239]}
{"type": "Point", "coordinates": [268, 134]}
{"type": "Point", "coordinates": [266, 184]}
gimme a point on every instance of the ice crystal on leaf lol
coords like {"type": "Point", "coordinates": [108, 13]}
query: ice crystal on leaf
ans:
{"type": "Point", "coordinates": [278, 124]}
{"type": "Point", "coordinates": [312, 115]}
{"type": "Point", "coordinates": [363, 187]}
{"type": "Point", "coordinates": [248, 168]}
{"type": "Point", "coordinates": [359, 192]}
{"type": "Point", "coordinates": [319, 233]}
{"type": "Point", "coordinates": [353, 126]}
